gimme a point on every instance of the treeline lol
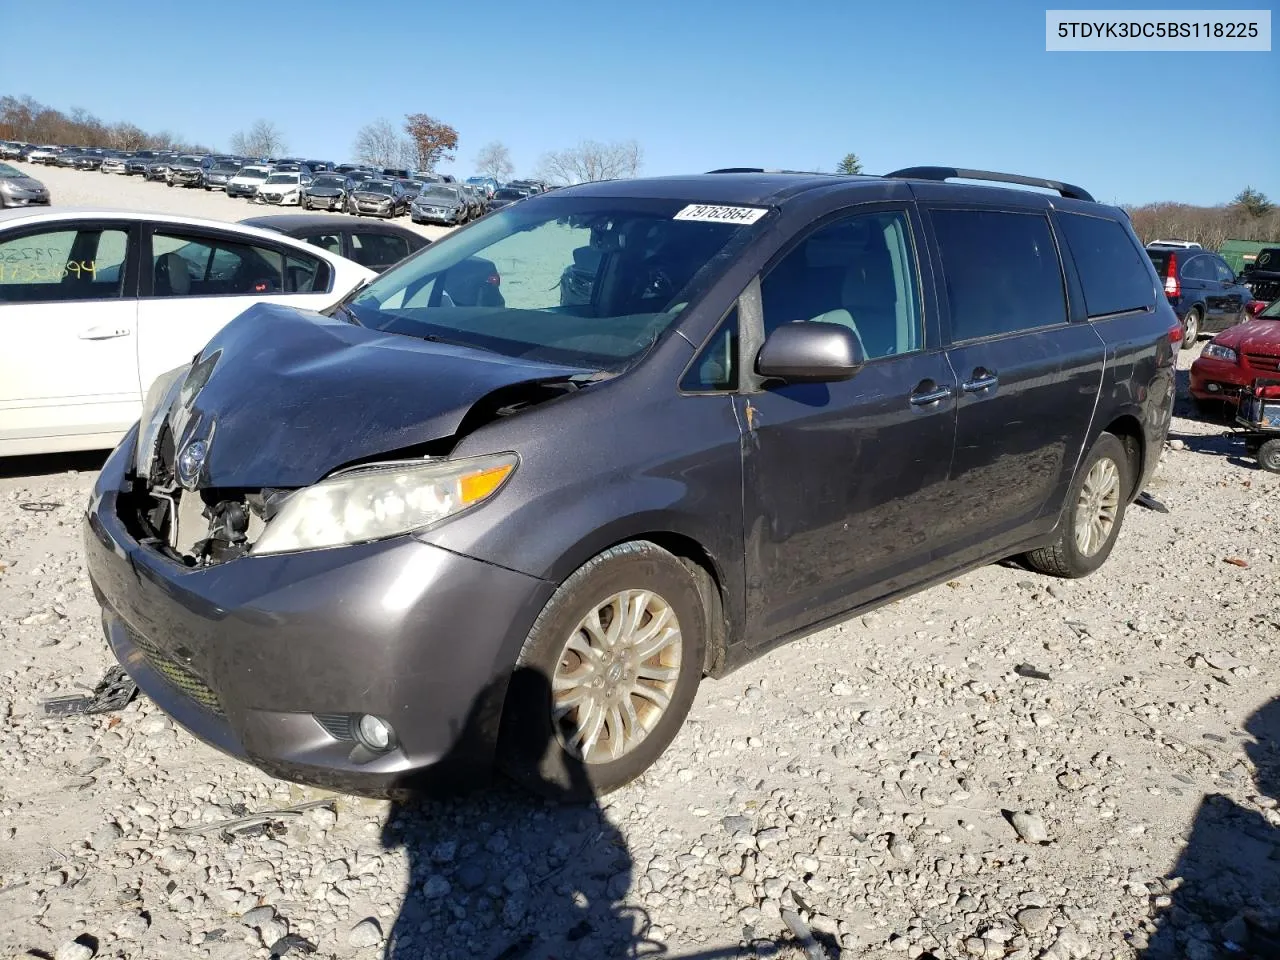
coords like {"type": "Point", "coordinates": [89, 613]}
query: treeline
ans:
{"type": "Point", "coordinates": [26, 119]}
{"type": "Point", "coordinates": [1250, 216]}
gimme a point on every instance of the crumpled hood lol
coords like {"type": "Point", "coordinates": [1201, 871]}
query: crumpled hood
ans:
{"type": "Point", "coordinates": [1262, 335]}
{"type": "Point", "coordinates": [291, 395]}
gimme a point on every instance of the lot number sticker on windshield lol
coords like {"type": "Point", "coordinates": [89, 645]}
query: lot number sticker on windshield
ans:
{"type": "Point", "coordinates": [710, 213]}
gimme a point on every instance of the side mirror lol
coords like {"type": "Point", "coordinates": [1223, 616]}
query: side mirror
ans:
{"type": "Point", "coordinates": [1255, 307]}
{"type": "Point", "coordinates": [810, 351]}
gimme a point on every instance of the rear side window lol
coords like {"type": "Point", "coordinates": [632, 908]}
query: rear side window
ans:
{"type": "Point", "coordinates": [189, 266]}
{"type": "Point", "coordinates": [1224, 272]}
{"type": "Point", "coordinates": [1198, 268]}
{"type": "Point", "coordinates": [1002, 272]}
{"type": "Point", "coordinates": [378, 250]}
{"type": "Point", "coordinates": [1111, 269]}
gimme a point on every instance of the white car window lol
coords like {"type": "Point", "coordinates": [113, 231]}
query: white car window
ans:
{"type": "Point", "coordinates": [63, 264]}
{"type": "Point", "coordinates": [223, 267]}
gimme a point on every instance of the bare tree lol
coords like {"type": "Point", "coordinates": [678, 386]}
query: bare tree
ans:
{"type": "Point", "coordinates": [432, 140]}
{"type": "Point", "coordinates": [494, 160]}
{"type": "Point", "coordinates": [127, 136]}
{"type": "Point", "coordinates": [263, 139]}
{"type": "Point", "coordinates": [591, 160]}
{"type": "Point", "coordinates": [380, 144]}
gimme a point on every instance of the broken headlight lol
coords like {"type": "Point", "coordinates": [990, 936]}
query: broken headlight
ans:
{"type": "Point", "coordinates": [382, 500]}
{"type": "Point", "coordinates": [154, 410]}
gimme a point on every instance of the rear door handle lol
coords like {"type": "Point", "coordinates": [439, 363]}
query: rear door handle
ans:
{"type": "Point", "coordinates": [104, 333]}
{"type": "Point", "coordinates": [928, 396]}
{"type": "Point", "coordinates": [985, 381]}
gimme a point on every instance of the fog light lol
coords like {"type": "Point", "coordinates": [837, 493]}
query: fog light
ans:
{"type": "Point", "coordinates": [1212, 387]}
{"type": "Point", "coordinates": [375, 733]}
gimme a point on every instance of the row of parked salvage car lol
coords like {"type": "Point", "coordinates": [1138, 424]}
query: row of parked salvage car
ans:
{"type": "Point", "coordinates": [358, 189]}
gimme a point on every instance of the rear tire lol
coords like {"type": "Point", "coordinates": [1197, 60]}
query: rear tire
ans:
{"type": "Point", "coordinates": [1092, 515]}
{"type": "Point", "coordinates": [1191, 328]}
{"type": "Point", "coordinates": [1269, 455]}
{"type": "Point", "coordinates": [620, 646]}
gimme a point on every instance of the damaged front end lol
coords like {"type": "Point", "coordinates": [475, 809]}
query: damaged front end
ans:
{"type": "Point", "coordinates": [233, 459]}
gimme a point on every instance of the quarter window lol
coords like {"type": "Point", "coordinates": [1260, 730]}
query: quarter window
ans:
{"type": "Point", "coordinates": [716, 368]}
{"type": "Point", "coordinates": [189, 266]}
{"type": "Point", "coordinates": [1225, 273]}
{"type": "Point", "coordinates": [1112, 271]}
{"type": "Point", "coordinates": [75, 264]}
{"type": "Point", "coordinates": [1002, 272]}
{"type": "Point", "coordinates": [1197, 268]}
{"type": "Point", "coordinates": [858, 272]}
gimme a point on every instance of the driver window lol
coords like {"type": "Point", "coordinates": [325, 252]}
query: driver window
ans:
{"type": "Point", "coordinates": [858, 272]}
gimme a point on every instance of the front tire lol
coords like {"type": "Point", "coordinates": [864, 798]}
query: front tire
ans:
{"type": "Point", "coordinates": [1092, 515]}
{"type": "Point", "coordinates": [607, 674]}
{"type": "Point", "coordinates": [1191, 328]}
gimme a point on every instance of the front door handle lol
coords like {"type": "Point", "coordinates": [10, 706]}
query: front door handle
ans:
{"type": "Point", "coordinates": [929, 393]}
{"type": "Point", "coordinates": [104, 333]}
{"type": "Point", "coordinates": [982, 380]}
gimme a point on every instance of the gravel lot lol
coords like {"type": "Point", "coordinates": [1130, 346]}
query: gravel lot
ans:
{"type": "Point", "coordinates": [899, 785]}
{"type": "Point", "coordinates": [80, 188]}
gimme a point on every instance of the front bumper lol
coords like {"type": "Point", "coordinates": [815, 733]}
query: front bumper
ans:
{"type": "Point", "coordinates": [11, 201]}
{"type": "Point", "coordinates": [277, 199]}
{"type": "Point", "coordinates": [1213, 379]}
{"type": "Point", "coordinates": [327, 203]}
{"type": "Point", "coordinates": [252, 654]}
{"type": "Point", "coordinates": [240, 190]}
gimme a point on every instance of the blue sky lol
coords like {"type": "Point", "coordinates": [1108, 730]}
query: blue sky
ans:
{"type": "Point", "coordinates": [698, 84]}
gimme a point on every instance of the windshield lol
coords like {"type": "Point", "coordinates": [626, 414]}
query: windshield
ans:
{"type": "Point", "coordinates": [252, 173]}
{"type": "Point", "coordinates": [328, 182]}
{"type": "Point", "coordinates": [283, 178]}
{"type": "Point", "coordinates": [9, 172]}
{"type": "Point", "coordinates": [507, 195]}
{"type": "Point", "coordinates": [440, 193]}
{"type": "Point", "coordinates": [588, 282]}
{"type": "Point", "coordinates": [226, 166]}
{"type": "Point", "coordinates": [376, 186]}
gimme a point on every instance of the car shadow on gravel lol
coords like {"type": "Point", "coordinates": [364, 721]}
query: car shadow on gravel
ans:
{"type": "Point", "coordinates": [1224, 898]}
{"type": "Point", "coordinates": [47, 464]}
{"type": "Point", "coordinates": [500, 874]}
{"type": "Point", "coordinates": [1224, 445]}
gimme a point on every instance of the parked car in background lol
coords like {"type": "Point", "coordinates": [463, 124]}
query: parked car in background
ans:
{"type": "Point", "coordinates": [836, 441]}
{"type": "Point", "coordinates": [396, 173]}
{"type": "Point", "coordinates": [1262, 277]}
{"type": "Point", "coordinates": [379, 198]}
{"type": "Point", "coordinates": [47, 155]}
{"type": "Point", "coordinates": [504, 196]}
{"type": "Point", "coordinates": [376, 244]}
{"type": "Point", "coordinates": [68, 156]}
{"type": "Point", "coordinates": [1201, 288]}
{"type": "Point", "coordinates": [291, 166]}
{"type": "Point", "coordinates": [186, 171]}
{"type": "Point", "coordinates": [412, 187]}
{"type": "Point", "coordinates": [139, 161]}
{"type": "Point", "coordinates": [1175, 244]}
{"type": "Point", "coordinates": [157, 169]}
{"type": "Point", "coordinates": [219, 175]}
{"type": "Point", "coordinates": [476, 202]}
{"type": "Point", "coordinates": [283, 188]}
{"type": "Point", "coordinates": [488, 184]}
{"type": "Point", "coordinates": [17, 189]}
{"type": "Point", "coordinates": [90, 160]}
{"type": "Point", "coordinates": [96, 304]}
{"type": "Point", "coordinates": [115, 164]}
{"type": "Point", "coordinates": [247, 181]}
{"type": "Point", "coordinates": [10, 149]}
{"type": "Point", "coordinates": [1237, 356]}
{"type": "Point", "coordinates": [328, 191]}
{"type": "Point", "coordinates": [440, 203]}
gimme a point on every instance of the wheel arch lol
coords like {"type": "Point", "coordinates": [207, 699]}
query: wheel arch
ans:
{"type": "Point", "coordinates": [1128, 429]}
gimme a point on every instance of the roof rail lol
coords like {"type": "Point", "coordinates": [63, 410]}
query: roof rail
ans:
{"type": "Point", "coordinates": [953, 173]}
{"type": "Point", "coordinates": [815, 173]}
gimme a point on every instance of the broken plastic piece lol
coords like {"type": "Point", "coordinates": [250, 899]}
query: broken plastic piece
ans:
{"type": "Point", "coordinates": [289, 943]}
{"type": "Point", "coordinates": [113, 692]}
{"type": "Point", "coordinates": [1145, 499]}
{"type": "Point", "coordinates": [1030, 672]}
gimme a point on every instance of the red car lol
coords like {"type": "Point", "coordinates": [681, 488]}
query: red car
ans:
{"type": "Point", "coordinates": [1237, 356]}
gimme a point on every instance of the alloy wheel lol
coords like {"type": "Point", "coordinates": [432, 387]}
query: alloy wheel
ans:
{"type": "Point", "coordinates": [616, 675]}
{"type": "Point", "coordinates": [1097, 506]}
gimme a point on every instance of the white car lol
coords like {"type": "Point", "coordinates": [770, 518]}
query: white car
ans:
{"type": "Point", "coordinates": [282, 188]}
{"type": "Point", "coordinates": [247, 181]}
{"type": "Point", "coordinates": [95, 304]}
{"type": "Point", "coordinates": [46, 154]}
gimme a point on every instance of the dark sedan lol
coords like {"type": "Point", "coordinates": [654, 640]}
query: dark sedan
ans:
{"type": "Point", "coordinates": [370, 243]}
{"type": "Point", "coordinates": [219, 175]}
{"type": "Point", "coordinates": [379, 198]}
{"type": "Point", "coordinates": [504, 196]}
{"type": "Point", "coordinates": [186, 172]}
{"type": "Point", "coordinates": [328, 191]}
{"type": "Point", "coordinates": [441, 203]}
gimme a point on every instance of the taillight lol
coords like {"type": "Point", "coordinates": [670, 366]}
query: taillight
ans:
{"type": "Point", "coordinates": [1172, 288]}
{"type": "Point", "coordinates": [494, 280]}
{"type": "Point", "coordinates": [1175, 334]}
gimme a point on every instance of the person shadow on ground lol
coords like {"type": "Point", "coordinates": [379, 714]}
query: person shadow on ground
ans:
{"type": "Point", "coordinates": [1225, 897]}
{"type": "Point", "coordinates": [502, 874]}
